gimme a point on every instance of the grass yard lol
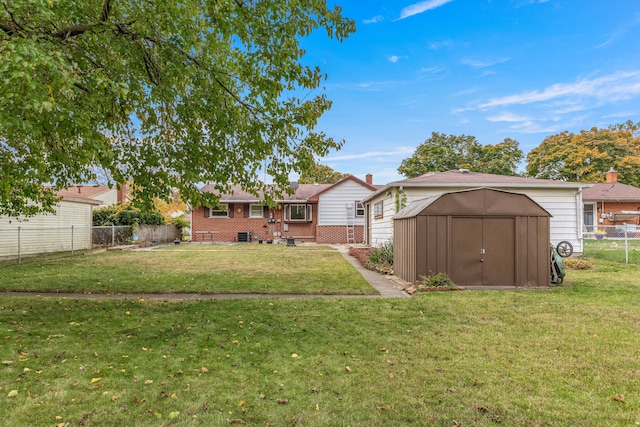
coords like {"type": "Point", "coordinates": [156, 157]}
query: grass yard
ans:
{"type": "Point", "coordinates": [273, 269]}
{"type": "Point", "coordinates": [568, 356]}
{"type": "Point", "coordinates": [613, 249]}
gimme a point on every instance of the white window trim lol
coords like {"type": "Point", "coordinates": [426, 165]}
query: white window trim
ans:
{"type": "Point", "coordinates": [251, 212]}
{"type": "Point", "coordinates": [308, 213]}
{"type": "Point", "coordinates": [379, 214]}
{"type": "Point", "coordinates": [355, 210]}
{"type": "Point", "coordinates": [222, 207]}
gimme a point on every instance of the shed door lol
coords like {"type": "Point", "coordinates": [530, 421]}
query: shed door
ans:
{"type": "Point", "coordinates": [483, 251]}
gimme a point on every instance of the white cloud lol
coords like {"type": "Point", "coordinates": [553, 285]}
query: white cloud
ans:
{"type": "Point", "coordinates": [421, 7]}
{"type": "Point", "coordinates": [439, 45]}
{"type": "Point", "coordinates": [400, 151]}
{"type": "Point", "coordinates": [393, 58]}
{"type": "Point", "coordinates": [374, 20]}
{"type": "Point", "coordinates": [432, 70]}
{"type": "Point", "coordinates": [613, 87]}
{"type": "Point", "coordinates": [479, 63]}
{"type": "Point", "coordinates": [508, 117]}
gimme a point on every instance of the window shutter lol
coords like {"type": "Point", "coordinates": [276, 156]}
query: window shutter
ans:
{"type": "Point", "coordinates": [245, 209]}
{"type": "Point", "coordinates": [265, 212]}
{"type": "Point", "coordinates": [286, 212]}
{"type": "Point", "coordinates": [230, 210]}
{"type": "Point", "coordinates": [206, 212]}
{"type": "Point", "coordinates": [309, 212]}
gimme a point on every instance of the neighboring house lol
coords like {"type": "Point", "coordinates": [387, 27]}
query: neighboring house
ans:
{"type": "Point", "coordinates": [68, 229]}
{"type": "Point", "coordinates": [102, 193]}
{"type": "Point", "coordinates": [323, 213]}
{"type": "Point", "coordinates": [610, 203]}
{"type": "Point", "coordinates": [561, 199]}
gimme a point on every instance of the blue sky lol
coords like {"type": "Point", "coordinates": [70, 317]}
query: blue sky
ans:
{"type": "Point", "coordinates": [494, 69]}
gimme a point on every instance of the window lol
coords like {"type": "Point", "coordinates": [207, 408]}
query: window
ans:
{"type": "Point", "coordinates": [377, 210]}
{"type": "Point", "coordinates": [298, 213]}
{"type": "Point", "coordinates": [256, 211]}
{"type": "Point", "coordinates": [220, 211]}
{"type": "Point", "coordinates": [359, 210]}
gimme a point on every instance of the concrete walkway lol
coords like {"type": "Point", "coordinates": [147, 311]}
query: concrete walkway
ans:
{"type": "Point", "coordinates": [385, 285]}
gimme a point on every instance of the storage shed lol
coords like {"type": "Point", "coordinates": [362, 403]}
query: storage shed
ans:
{"type": "Point", "coordinates": [478, 237]}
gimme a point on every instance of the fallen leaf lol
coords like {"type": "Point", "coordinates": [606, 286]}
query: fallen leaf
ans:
{"type": "Point", "coordinates": [173, 415]}
{"type": "Point", "coordinates": [619, 398]}
{"type": "Point", "coordinates": [283, 401]}
{"type": "Point", "coordinates": [12, 393]}
{"type": "Point", "coordinates": [294, 355]}
{"type": "Point", "coordinates": [236, 421]}
{"type": "Point", "coordinates": [391, 375]}
{"type": "Point", "coordinates": [348, 369]}
{"type": "Point", "coordinates": [242, 402]}
{"type": "Point", "coordinates": [95, 380]}
{"type": "Point", "coordinates": [148, 381]}
{"type": "Point", "coordinates": [203, 370]}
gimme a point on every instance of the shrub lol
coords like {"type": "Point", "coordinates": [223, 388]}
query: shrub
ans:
{"type": "Point", "coordinates": [382, 255]}
{"type": "Point", "coordinates": [439, 280]}
{"type": "Point", "coordinates": [125, 214]}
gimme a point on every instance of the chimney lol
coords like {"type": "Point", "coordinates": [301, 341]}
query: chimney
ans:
{"type": "Point", "coordinates": [612, 175]}
{"type": "Point", "coordinates": [369, 179]}
{"type": "Point", "coordinates": [122, 193]}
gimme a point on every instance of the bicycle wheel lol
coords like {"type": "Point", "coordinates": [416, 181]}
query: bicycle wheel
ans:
{"type": "Point", "coordinates": [565, 249]}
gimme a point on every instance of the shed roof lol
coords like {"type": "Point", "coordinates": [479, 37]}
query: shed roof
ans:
{"type": "Point", "coordinates": [474, 202]}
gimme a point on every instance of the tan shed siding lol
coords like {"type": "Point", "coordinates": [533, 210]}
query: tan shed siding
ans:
{"type": "Point", "coordinates": [404, 249]}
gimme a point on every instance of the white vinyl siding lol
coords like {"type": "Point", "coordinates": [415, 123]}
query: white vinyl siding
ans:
{"type": "Point", "coordinates": [564, 205]}
{"type": "Point", "coordinates": [48, 233]}
{"type": "Point", "coordinates": [335, 203]}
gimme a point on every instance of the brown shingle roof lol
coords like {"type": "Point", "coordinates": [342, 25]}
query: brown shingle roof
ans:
{"type": "Point", "coordinates": [82, 191]}
{"type": "Point", "coordinates": [465, 178]}
{"type": "Point", "coordinates": [611, 191]}
{"type": "Point", "coordinates": [304, 192]}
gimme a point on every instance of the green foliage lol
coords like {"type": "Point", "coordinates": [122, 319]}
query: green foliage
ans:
{"type": "Point", "coordinates": [439, 280]}
{"type": "Point", "coordinates": [442, 152]}
{"type": "Point", "coordinates": [401, 200]}
{"type": "Point", "coordinates": [588, 155]}
{"type": "Point", "coordinates": [126, 214]}
{"type": "Point", "coordinates": [382, 255]}
{"type": "Point", "coordinates": [180, 222]}
{"type": "Point", "coordinates": [161, 93]}
{"type": "Point", "coordinates": [321, 174]}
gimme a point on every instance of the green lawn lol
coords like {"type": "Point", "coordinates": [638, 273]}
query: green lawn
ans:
{"type": "Point", "coordinates": [273, 269]}
{"type": "Point", "coordinates": [567, 356]}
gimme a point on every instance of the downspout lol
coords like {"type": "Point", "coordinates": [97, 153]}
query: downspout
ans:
{"type": "Point", "coordinates": [580, 218]}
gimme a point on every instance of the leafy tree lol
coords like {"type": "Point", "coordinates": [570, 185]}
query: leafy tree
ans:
{"type": "Point", "coordinates": [321, 174]}
{"type": "Point", "coordinates": [448, 152]}
{"type": "Point", "coordinates": [164, 93]}
{"type": "Point", "coordinates": [588, 155]}
{"type": "Point", "coordinates": [126, 214]}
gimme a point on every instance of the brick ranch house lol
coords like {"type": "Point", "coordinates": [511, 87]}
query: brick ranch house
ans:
{"type": "Point", "coordinates": [610, 203]}
{"type": "Point", "coordinates": [321, 213]}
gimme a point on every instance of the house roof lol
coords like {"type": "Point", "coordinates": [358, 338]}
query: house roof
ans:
{"type": "Point", "coordinates": [237, 195]}
{"type": "Point", "coordinates": [464, 178]}
{"type": "Point", "coordinates": [83, 191]}
{"type": "Point", "coordinates": [613, 191]}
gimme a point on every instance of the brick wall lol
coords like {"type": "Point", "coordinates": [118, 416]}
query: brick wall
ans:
{"type": "Point", "coordinates": [338, 234]}
{"type": "Point", "coordinates": [227, 229]}
{"type": "Point", "coordinates": [616, 207]}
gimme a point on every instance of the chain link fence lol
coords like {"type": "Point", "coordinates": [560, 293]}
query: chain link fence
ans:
{"type": "Point", "coordinates": [20, 242]}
